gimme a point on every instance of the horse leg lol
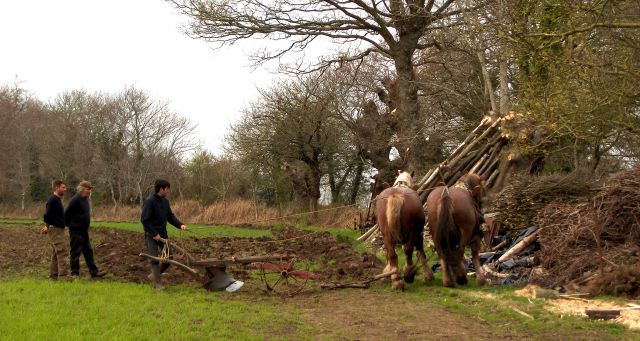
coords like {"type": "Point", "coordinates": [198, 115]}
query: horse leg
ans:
{"type": "Point", "coordinates": [428, 274]}
{"type": "Point", "coordinates": [461, 272]}
{"type": "Point", "coordinates": [392, 265]}
{"type": "Point", "coordinates": [410, 269]}
{"type": "Point", "coordinates": [446, 278]}
{"type": "Point", "coordinates": [475, 258]}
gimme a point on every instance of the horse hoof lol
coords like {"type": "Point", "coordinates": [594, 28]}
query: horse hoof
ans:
{"type": "Point", "coordinates": [462, 280]}
{"type": "Point", "coordinates": [410, 273]}
{"type": "Point", "coordinates": [399, 284]}
{"type": "Point", "coordinates": [481, 281]}
{"type": "Point", "coordinates": [428, 278]}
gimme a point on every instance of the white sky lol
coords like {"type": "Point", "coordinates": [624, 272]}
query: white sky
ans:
{"type": "Point", "coordinates": [105, 45]}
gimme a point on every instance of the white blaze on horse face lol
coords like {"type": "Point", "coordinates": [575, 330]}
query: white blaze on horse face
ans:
{"type": "Point", "coordinates": [404, 179]}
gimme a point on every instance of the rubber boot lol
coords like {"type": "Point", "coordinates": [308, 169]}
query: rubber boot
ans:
{"type": "Point", "coordinates": [163, 268]}
{"type": "Point", "coordinates": [157, 277]}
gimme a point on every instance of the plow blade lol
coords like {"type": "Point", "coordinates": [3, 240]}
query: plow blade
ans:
{"type": "Point", "coordinates": [218, 279]}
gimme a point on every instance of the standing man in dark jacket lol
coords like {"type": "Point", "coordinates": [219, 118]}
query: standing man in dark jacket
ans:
{"type": "Point", "coordinates": [54, 228]}
{"type": "Point", "coordinates": [78, 218]}
{"type": "Point", "coordinates": [156, 212]}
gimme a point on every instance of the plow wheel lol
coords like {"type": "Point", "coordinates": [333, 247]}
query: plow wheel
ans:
{"type": "Point", "coordinates": [283, 279]}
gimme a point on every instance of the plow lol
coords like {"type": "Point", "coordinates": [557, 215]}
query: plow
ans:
{"type": "Point", "coordinates": [277, 272]}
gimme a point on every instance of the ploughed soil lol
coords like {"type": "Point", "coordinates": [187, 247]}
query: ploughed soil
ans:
{"type": "Point", "coordinates": [24, 249]}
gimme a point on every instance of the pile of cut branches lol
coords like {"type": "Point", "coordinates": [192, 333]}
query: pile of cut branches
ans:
{"type": "Point", "coordinates": [525, 195]}
{"type": "Point", "coordinates": [583, 243]}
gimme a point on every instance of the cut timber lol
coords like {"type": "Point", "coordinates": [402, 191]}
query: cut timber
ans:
{"type": "Point", "coordinates": [476, 141]}
{"type": "Point", "coordinates": [489, 271]}
{"type": "Point", "coordinates": [466, 141]}
{"type": "Point", "coordinates": [602, 314]}
{"type": "Point", "coordinates": [366, 235]}
{"type": "Point", "coordinates": [519, 247]}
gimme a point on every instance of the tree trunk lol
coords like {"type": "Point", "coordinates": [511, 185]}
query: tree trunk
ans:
{"type": "Point", "coordinates": [504, 87]}
{"type": "Point", "coordinates": [595, 158]}
{"type": "Point", "coordinates": [139, 188]}
{"type": "Point", "coordinates": [504, 82]}
{"type": "Point", "coordinates": [356, 182]}
{"type": "Point", "coordinates": [332, 186]}
{"type": "Point", "coordinates": [314, 190]}
{"type": "Point", "coordinates": [488, 87]}
{"type": "Point", "coordinates": [408, 108]}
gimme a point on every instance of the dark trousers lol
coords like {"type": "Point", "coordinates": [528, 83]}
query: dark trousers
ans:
{"type": "Point", "coordinates": [80, 244]}
{"type": "Point", "coordinates": [154, 248]}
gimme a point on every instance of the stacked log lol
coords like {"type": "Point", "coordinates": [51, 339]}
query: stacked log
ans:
{"type": "Point", "coordinates": [479, 153]}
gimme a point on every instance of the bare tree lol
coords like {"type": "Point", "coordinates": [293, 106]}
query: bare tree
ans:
{"type": "Point", "coordinates": [155, 135]}
{"type": "Point", "coordinates": [394, 29]}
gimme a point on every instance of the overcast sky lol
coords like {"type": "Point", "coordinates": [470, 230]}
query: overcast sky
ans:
{"type": "Point", "coordinates": [105, 45]}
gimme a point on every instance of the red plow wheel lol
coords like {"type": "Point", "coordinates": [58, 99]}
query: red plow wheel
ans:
{"type": "Point", "coordinates": [281, 278]}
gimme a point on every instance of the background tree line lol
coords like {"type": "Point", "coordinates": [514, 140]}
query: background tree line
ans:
{"type": "Point", "coordinates": [414, 79]}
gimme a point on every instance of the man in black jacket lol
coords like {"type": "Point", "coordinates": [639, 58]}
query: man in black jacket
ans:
{"type": "Point", "coordinates": [78, 217]}
{"type": "Point", "coordinates": [156, 212]}
{"type": "Point", "coordinates": [54, 228]}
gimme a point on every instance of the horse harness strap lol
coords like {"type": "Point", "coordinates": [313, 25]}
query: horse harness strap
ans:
{"type": "Point", "coordinates": [481, 228]}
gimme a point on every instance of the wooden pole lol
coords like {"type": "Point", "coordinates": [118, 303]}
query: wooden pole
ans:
{"type": "Point", "coordinates": [366, 235]}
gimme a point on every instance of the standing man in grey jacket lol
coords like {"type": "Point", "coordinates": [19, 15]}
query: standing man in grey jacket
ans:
{"type": "Point", "coordinates": [78, 217]}
{"type": "Point", "coordinates": [156, 212]}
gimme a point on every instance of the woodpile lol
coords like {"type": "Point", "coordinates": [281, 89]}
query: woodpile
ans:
{"type": "Point", "coordinates": [479, 153]}
{"type": "Point", "coordinates": [596, 243]}
{"type": "Point", "coordinates": [525, 196]}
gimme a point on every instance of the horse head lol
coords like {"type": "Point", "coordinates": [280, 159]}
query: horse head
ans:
{"type": "Point", "coordinates": [404, 179]}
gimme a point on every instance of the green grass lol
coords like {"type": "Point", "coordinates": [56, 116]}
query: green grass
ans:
{"type": "Point", "coordinates": [196, 230]}
{"type": "Point", "coordinates": [81, 310]}
{"type": "Point", "coordinates": [494, 305]}
{"type": "Point", "coordinates": [475, 301]}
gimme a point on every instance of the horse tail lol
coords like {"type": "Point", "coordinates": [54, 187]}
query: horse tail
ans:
{"type": "Point", "coordinates": [449, 236]}
{"type": "Point", "coordinates": [394, 205]}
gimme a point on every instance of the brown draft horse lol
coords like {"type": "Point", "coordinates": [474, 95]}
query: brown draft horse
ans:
{"type": "Point", "coordinates": [401, 219]}
{"type": "Point", "coordinates": [454, 215]}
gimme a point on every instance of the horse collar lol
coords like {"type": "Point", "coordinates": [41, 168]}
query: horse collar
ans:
{"type": "Point", "coordinates": [401, 184]}
{"type": "Point", "coordinates": [464, 186]}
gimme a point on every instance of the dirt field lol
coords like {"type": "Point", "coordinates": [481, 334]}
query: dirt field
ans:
{"type": "Point", "coordinates": [22, 249]}
{"type": "Point", "coordinates": [342, 314]}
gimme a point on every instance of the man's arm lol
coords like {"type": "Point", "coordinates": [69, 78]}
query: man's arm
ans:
{"type": "Point", "coordinates": [47, 212]}
{"type": "Point", "coordinates": [45, 217]}
{"type": "Point", "coordinates": [173, 220]}
{"type": "Point", "coordinates": [70, 211]}
{"type": "Point", "coordinates": [146, 217]}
